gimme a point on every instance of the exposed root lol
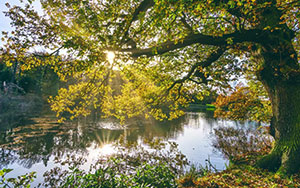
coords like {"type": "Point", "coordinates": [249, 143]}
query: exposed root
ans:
{"type": "Point", "coordinates": [285, 163]}
{"type": "Point", "coordinates": [290, 163]}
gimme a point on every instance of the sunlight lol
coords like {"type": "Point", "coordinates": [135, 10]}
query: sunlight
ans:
{"type": "Point", "coordinates": [94, 151]}
{"type": "Point", "coordinates": [110, 56]}
{"type": "Point", "coordinates": [107, 149]}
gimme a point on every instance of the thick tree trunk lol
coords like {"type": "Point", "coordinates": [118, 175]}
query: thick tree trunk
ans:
{"type": "Point", "coordinates": [286, 122]}
{"type": "Point", "coordinates": [280, 75]}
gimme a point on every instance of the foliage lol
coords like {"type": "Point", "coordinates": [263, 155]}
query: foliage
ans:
{"type": "Point", "coordinates": [122, 27]}
{"type": "Point", "coordinates": [145, 175]}
{"type": "Point", "coordinates": [245, 103]}
{"type": "Point", "coordinates": [5, 73]}
{"type": "Point", "coordinates": [158, 166]}
{"type": "Point", "coordinates": [173, 79]}
{"type": "Point", "coordinates": [19, 182]}
{"type": "Point", "coordinates": [38, 80]}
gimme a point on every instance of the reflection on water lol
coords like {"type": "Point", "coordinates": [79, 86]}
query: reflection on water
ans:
{"type": "Point", "coordinates": [34, 147]}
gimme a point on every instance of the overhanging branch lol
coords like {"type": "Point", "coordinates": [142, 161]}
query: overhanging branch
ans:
{"type": "Point", "coordinates": [143, 7]}
{"type": "Point", "coordinates": [236, 37]}
{"type": "Point", "coordinates": [186, 25]}
{"type": "Point", "coordinates": [212, 58]}
{"type": "Point", "coordinates": [49, 55]}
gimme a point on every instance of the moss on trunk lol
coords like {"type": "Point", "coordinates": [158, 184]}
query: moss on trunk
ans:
{"type": "Point", "coordinates": [280, 75]}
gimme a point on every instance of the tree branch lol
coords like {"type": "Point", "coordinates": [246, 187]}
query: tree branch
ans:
{"type": "Point", "coordinates": [198, 82]}
{"type": "Point", "coordinates": [236, 37]}
{"type": "Point", "coordinates": [212, 58]}
{"type": "Point", "coordinates": [188, 26]}
{"type": "Point", "coordinates": [54, 52]}
{"type": "Point", "coordinates": [143, 7]}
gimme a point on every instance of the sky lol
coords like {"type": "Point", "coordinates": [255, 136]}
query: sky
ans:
{"type": "Point", "coordinates": [5, 21]}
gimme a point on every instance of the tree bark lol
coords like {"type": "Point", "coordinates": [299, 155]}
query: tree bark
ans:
{"type": "Point", "coordinates": [280, 75]}
{"type": "Point", "coordinates": [285, 156]}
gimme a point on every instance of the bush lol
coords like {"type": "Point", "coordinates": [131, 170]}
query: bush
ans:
{"type": "Point", "coordinates": [20, 181]}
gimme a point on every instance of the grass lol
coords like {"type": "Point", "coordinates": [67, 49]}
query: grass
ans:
{"type": "Point", "coordinates": [241, 176]}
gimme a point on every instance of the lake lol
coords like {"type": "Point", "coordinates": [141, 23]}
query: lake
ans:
{"type": "Point", "coordinates": [36, 144]}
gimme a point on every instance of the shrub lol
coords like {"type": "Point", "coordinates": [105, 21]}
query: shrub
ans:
{"type": "Point", "coordinates": [20, 181]}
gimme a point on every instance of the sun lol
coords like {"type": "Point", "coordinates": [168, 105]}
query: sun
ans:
{"type": "Point", "coordinates": [110, 56]}
{"type": "Point", "coordinates": [107, 149]}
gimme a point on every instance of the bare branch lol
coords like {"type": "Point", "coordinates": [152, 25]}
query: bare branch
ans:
{"type": "Point", "coordinates": [54, 52]}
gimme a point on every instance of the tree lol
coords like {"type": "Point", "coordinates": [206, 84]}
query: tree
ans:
{"type": "Point", "coordinates": [244, 104]}
{"type": "Point", "coordinates": [165, 50]}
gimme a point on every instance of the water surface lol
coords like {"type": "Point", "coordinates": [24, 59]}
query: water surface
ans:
{"type": "Point", "coordinates": [35, 145]}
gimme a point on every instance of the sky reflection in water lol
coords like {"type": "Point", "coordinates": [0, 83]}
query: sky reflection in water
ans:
{"type": "Point", "coordinates": [34, 147]}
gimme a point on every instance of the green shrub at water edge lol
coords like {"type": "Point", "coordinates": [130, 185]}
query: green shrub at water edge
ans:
{"type": "Point", "coordinates": [145, 175]}
{"type": "Point", "coordinates": [19, 182]}
{"type": "Point", "coordinates": [160, 165]}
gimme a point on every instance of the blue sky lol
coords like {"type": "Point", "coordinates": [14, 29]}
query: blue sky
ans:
{"type": "Point", "coordinates": [5, 26]}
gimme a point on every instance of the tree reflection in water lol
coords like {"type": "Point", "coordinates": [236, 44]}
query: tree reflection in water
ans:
{"type": "Point", "coordinates": [27, 145]}
{"type": "Point", "coordinates": [43, 145]}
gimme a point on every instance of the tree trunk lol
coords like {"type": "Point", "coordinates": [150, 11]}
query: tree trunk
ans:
{"type": "Point", "coordinates": [280, 76]}
{"type": "Point", "coordinates": [286, 123]}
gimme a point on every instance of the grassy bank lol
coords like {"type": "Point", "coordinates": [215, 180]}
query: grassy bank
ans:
{"type": "Point", "coordinates": [240, 176]}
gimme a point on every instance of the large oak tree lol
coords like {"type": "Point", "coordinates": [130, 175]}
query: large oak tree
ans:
{"type": "Point", "coordinates": [165, 51]}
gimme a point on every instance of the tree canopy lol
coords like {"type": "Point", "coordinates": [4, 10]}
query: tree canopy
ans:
{"type": "Point", "coordinates": [165, 52]}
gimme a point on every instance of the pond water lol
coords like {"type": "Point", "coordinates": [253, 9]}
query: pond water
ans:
{"type": "Point", "coordinates": [35, 145]}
